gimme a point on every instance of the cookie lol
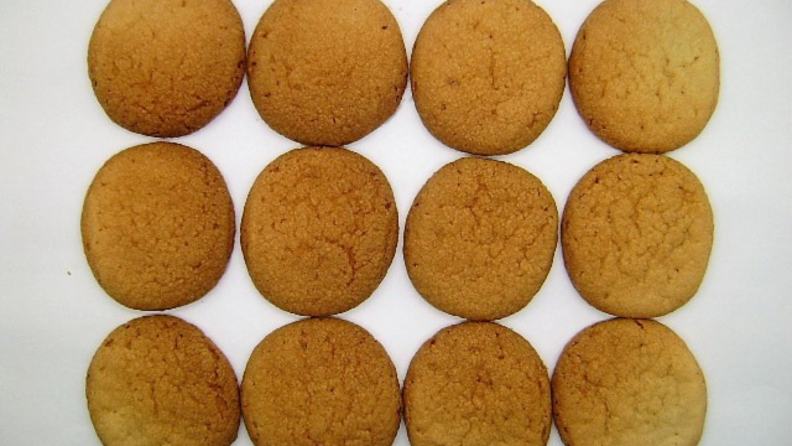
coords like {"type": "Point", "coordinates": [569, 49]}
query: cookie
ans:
{"type": "Point", "coordinates": [319, 230]}
{"type": "Point", "coordinates": [487, 77]}
{"type": "Point", "coordinates": [158, 226]}
{"type": "Point", "coordinates": [166, 67]}
{"type": "Point", "coordinates": [645, 75]}
{"type": "Point", "coordinates": [477, 383]}
{"type": "Point", "coordinates": [480, 238]}
{"type": "Point", "coordinates": [628, 382]}
{"type": "Point", "coordinates": [637, 232]}
{"type": "Point", "coordinates": [159, 380]}
{"type": "Point", "coordinates": [321, 381]}
{"type": "Point", "coordinates": [326, 73]}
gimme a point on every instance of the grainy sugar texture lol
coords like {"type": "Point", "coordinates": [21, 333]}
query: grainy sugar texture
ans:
{"type": "Point", "coordinates": [487, 76]}
{"type": "Point", "coordinates": [158, 226]}
{"type": "Point", "coordinates": [166, 67]}
{"type": "Point", "coordinates": [480, 238]}
{"type": "Point", "coordinates": [626, 382]}
{"type": "Point", "coordinates": [477, 384]}
{"type": "Point", "coordinates": [319, 230]}
{"type": "Point", "coordinates": [645, 75]}
{"type": "Point", "coordinates": [159, 380]}
{"type": "Point", "coordinates": [326, 72]}
{"type": "Point", "coordinates": [321, 381]}
{"type": "Point", "coordinates": [637, 233]}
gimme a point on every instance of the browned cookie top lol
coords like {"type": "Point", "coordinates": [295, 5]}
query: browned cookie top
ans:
{"type": "Point", "coordinates": [159, 380]}
{"type": "Point", "coordinates": [158, 226]}
{"type": "Point", "coordinates": [319, 230]}
{"type": "Point", "coordinates": [645, 75]}
{"type": "Point", "coordinates": [628, 382]}
{"type": "Point", "coordinates": [321, 381]}
{"type": "Point", "coordinates": [637, 233]}
{"type": "Point", "coordinates": [487, 76]}
{"type": "Point", "coordinates": [166, 67]}
{"type": "Point", "coordinates": [480, 238]}
{"type": "Point", "coordinates": [477, 383]}
{"type": "Point", "coordinates": [326, 72]}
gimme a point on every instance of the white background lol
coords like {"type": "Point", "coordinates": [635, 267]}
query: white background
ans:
{"type": "Point", "coordinates": [54, 136]}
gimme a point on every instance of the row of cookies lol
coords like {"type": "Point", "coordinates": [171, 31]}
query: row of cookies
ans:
{"type": "Point", "coordinates": [487, 76]}
{"type": "Point", "coordinates": [159, 379]}
{"type": "Point", "coordinates": [320, 228]}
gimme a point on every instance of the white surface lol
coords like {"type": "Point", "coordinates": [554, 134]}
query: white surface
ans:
{"type": "Point", "coordinates": [54, 136]}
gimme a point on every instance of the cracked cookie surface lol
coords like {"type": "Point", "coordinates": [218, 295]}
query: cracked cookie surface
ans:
{"type": "Point", "coordinates": [159, 380]}
{"type": "Point", "coordinates": [326, 73]}
{"type": "Point", "coordinates": [487, 76]}
{"type": "Point", "coordinates": [321, 381]}
{"type": "Point", "coordinates": [627, 382]}
{"type": "Point", "coordinates": [480, 238]}
{"type": "Point", "coordinates": [158, 226]}
{"type": "Point", "coordinates": [319, 230]}
{"type": "Point", "coordinates": [477, 383]}
{"type": "Point", "coordinates": [166, 67]}
{"type": "Point", "coordinates": [636, 233]}
{"type": "Point", "coordinates": [645, 75]}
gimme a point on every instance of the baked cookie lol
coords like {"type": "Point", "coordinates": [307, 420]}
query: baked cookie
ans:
{"type": "Point", "coordinates": [326, 73]}
{"type": "Point", "coordinates": [319, 230]}
{"type": "Point", "coordinates": [159, 380]}
{"type": "Point", "coordinates": [321, 381]}
{"type": "Point", "coordinates": [637, 233]}
{"type": "Point", "coordinates": [480, 238]}
{"type": "Point", "coordinates": [158, 226]}
{"type": "Point", "coordinates": [628, 382]}
{"type": "Point", "coordinates": [166, 67]}
{"type": "Point", "coordinates": [645, 75]}
{"type": "Point", "coordinates": [487, 77]}
{"type": "Point", "coordinates": [477, 383]}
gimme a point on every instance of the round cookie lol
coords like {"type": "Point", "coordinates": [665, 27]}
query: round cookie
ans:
{"type": "Point", "coordinates": [487, 77]}
{"type": "Point", "coordinates": [166, 67]}
{"type": "Point", "coordinates": [628, 382]}
{"type": "Point", "coordinates": [645, 75]}
{"type": "Point", "coordinates": [480, 238]}
{"type": "Point", "coordinates": [637, 233]}
{"type": "Point", "coordinates": [158, 226]}
{"type": "Point", "coordinates": [159, 380]}
{"type": "Point", "coordinates": [319, 230]}
{"type": "Point", "coordinates": [477, 383]}
{"type": "Point", "coordinates": [326, 73]}
{"type": "Point", "coordinates": [321, 381]}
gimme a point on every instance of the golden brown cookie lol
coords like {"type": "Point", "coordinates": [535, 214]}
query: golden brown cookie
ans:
{"type": "Point", "coordinates": [321, 381]}
{"type": "Point", "coordinates": [166, 67]}
{"type": "Point", "coordinates": [319, 230]}
{"type": "Point", "coordinates": [480, 238]}
{"type": "Point", "coordinates": [645, 75]}
{"type": "Point", "coordinates": [626, 382]}
{"type": "Point", "coordinates": [159, 380]}
{"type": "Point", "coordinates": [487, 77]}
{"type": "Point", "coordinates": [326, 73]}
{"type": "Point", "coordinates": [477, 383]}
{"type": "Point", "coordinates": [158, 226]}
{"type": "Point", "coordinates": [637, 233]}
